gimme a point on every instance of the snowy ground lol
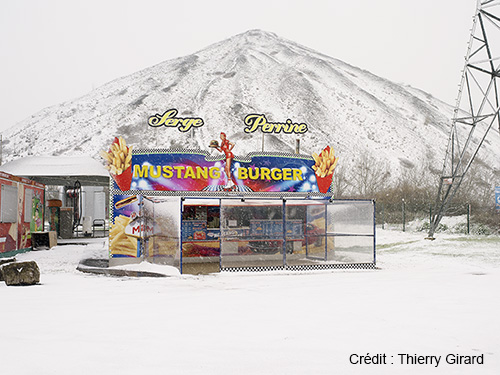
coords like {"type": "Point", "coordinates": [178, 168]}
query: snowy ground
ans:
{"type": "Point", "coordinates": [428, 298]}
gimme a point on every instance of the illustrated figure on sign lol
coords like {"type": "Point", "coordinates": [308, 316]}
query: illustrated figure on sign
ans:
{"type": "Point", "coordinates": [226, 147]}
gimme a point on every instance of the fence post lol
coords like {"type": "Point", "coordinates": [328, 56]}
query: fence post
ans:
{"type": "Point", "coordinates": [430, 215]}
{"type": "Point", "coordinates": [383, 216]}
{"type": "Point", "coordinates": [404, 217]}
{"type": "Point", "coordinates": [468, 218]}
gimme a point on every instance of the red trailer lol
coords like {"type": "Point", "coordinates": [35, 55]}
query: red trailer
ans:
{"type": "Point", "coordinates": [22, 204]}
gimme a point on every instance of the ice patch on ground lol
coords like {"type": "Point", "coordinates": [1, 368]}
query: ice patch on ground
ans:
{"type": "Point", "coordinates": [150, 267]}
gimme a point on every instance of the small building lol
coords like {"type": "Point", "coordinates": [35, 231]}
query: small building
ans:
{"type": "Point", "coordinates": [22, 205]}
{"type": "Point", "coordinates": [60, 175]}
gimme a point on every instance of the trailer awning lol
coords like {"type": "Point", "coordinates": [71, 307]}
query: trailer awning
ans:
{"type": "Point", "coordinates": [59, 170]}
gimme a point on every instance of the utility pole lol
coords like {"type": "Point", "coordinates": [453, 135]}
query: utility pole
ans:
{"type": "Point", "coordinates": [477, 107]}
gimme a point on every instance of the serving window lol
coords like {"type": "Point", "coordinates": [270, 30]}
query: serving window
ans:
{"type": "Point", "coordinates": [200, 228]}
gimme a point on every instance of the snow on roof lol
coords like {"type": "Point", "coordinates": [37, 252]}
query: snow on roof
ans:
{"type": "Point", "coordinates": [56, 170]}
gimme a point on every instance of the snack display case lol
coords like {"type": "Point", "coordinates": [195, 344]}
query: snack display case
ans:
{"type": "Point", "coordinates": [200, 229]}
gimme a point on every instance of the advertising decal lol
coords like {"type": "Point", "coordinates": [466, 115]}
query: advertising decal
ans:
{"type": "Point", "coordinates": [126, 228]}
{"type": "Point", "coordinates": [182, 171]}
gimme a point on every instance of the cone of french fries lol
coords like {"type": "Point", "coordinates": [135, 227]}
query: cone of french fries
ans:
{"type": "Point", "coordinates": [119, 163]}
{"type": "Point", "coordinates": [324, 167]}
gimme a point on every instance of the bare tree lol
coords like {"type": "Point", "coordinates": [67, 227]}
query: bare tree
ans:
{"type": "Point", "coordinates": [369, 175]}
{"type": "Point", "coordinates": [340, 182]}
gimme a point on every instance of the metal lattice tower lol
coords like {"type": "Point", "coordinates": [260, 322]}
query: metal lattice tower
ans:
{"type": "Point", "coordinates": [477, 107]}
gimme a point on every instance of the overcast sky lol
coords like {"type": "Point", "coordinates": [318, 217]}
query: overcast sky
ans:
{"type": "Point", "coordinates": [52, 51]}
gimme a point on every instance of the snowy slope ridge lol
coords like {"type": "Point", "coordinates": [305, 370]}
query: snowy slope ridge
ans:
{"type": "Point", "coordinates": [255, 72]}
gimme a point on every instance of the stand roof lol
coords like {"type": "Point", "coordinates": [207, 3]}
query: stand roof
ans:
{"type": "Point", "coordinates": [59, 170]}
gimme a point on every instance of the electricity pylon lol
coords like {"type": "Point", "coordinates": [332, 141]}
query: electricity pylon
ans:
{"type": "Point", "coordinates": [477, 106]}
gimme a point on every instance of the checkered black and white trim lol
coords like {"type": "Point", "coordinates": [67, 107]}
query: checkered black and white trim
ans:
{"type": "Point", "coordinates": [236, 188]}
{"type": "Point", "coordinates": [252, 269]}
{"type": "Point", "coordinates": [315, 267]}
{"type": "Point", "coordinates": [303, 267]}
{"type": "Point", "coordinates": [243, 191]}
{"type": "Point", "coordinates": [209, 157]}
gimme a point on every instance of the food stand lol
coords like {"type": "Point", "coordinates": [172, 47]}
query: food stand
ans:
{"type": "Point", "coordinates": [176, 207]}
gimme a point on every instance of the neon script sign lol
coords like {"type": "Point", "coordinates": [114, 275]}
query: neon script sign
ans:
{"type": "Point", "coordinates": [254, 121]}
{"type": "Point", "coordinates": [168, 119]}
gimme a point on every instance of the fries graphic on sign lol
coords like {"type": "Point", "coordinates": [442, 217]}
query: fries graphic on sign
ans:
{"type": "Point", "coordinates": [324, 167]}
{"type": "Point", "coordinates": [325, 162]}
{"type": "Point", "coordinates": [119, 156]}
{"type": "Point", "coordinates": [119, 163]}
{"type": "Point", "coordinates": [119, 242]}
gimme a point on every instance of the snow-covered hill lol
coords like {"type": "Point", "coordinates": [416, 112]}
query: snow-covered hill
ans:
{"type": "Point", "coordinates": [255, 72]}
